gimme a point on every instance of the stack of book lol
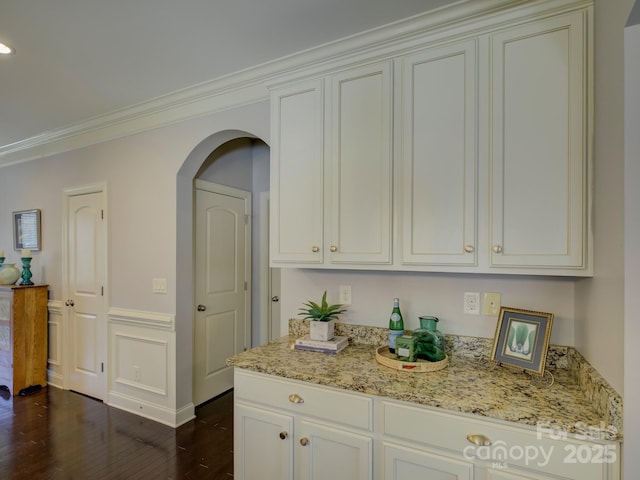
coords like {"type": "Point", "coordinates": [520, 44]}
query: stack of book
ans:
{"type": "Point", "coordinates": [334, 345]}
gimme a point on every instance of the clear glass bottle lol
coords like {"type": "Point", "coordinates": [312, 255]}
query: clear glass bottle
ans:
{"type": "Point", "coordinates": [430, 343]}
{"type": "Point", "coordinates": [396, 325]}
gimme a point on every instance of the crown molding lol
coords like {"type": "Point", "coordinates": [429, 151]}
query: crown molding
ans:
{"type": "Point", "coordinates": [251, 85]}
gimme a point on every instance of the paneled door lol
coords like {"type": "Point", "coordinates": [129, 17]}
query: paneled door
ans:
{"type": "Point", "coordinates": [222, 301]}
{"type": "Point", "coordinates": [85, 296]}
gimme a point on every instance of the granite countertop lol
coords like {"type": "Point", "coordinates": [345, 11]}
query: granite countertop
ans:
{"type": "Point", "coordinates": [469, 384]}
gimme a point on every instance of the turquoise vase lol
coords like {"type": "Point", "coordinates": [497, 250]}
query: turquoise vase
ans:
{"type": "Point", "coordinates": [430, 343]}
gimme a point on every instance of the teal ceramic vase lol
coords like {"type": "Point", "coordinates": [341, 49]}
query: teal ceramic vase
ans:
{"type": "Point", "coordinates": [430, 343]}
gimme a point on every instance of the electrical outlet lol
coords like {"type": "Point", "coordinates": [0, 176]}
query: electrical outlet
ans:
{"type": "Point", "coordinates": [472, 303]}
{"type": "Point", "coordinates": [345, 295]}
{"type": "Point", "coordinates": [491, 304]}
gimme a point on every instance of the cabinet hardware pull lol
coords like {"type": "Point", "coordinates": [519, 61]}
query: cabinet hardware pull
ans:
{"type": "Point", "coordinates": [304, 441]}
{"type": "Point", "coordinates": [69, 303]}
{"type": "Point", "coordinates": [469, 248]}
{"type": "Point", "coordinates": [275, 298]}
{"type": "Point", "coordinates": [283, 435]}
{"type": "Point", "coordinates": [497, 248]}
{"type": "Point", "coordinates": [315, 249]}
{"type": "Point", "coordinates": [295, 398]}
{"type": "Point", "coordinates": [201, 308]}
{"type": "Point", "coordinates": [479, 439]}
{"type": "Point", "coordinates": [333, 248]}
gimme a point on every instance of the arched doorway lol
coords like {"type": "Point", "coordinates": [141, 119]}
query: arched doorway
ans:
{"type": "Point", "coordinates": [235, 159]}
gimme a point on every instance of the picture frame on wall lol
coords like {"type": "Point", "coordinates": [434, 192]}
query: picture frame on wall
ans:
{"type": "Point", "coordinates": [26, 230]}
{"type": "Point", "coordinates": [522, 339]}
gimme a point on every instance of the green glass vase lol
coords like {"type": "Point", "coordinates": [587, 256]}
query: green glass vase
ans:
{"type": "Point", "coordinates": [430, 343]}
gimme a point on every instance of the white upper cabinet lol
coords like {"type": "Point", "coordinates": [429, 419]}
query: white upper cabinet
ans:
{"type": "Point", "coordinates": [439, 156]}
{"type": "Point", "coordinates": [457, 149]}
{"type": "Point", "coordinates": [539, 144]}
{"type": "Point", "coordinates": [331, 169]}
{"type": "Point", "coordinates": [360, 163]}
{"type": "Point", "coordinates": [297, 173]}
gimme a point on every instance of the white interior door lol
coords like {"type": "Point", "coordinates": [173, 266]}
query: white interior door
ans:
{"type": "Point", "coordinates": [86, 277]}
{"type": "Point", "coordinates": [222, 268]}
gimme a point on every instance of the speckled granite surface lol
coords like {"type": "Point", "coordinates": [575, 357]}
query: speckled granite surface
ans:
{"type": "Point", "coordinates": [579, 401]}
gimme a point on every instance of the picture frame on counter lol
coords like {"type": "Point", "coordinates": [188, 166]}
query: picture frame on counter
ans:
{"type": "Point", "coordinates": [26, 230]}
{"type": "Point", "coordinates": [522, 339]}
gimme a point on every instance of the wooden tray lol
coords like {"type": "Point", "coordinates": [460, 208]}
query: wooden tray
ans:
{"type": "Point", "coordinates": [386, 358]}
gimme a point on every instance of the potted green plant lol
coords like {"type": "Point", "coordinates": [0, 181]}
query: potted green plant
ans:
{"type": "Point", "coordinates": [323, 318]}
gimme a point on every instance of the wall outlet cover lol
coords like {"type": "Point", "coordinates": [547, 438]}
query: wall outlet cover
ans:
{"type": "Point", "coordinates": [472, 303]}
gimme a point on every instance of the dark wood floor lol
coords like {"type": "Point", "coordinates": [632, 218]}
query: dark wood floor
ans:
{"type": "Point", "coordinates": [57, 434]}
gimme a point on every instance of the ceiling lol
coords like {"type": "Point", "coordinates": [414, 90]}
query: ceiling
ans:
{"type": "Point", "coordinates": [78, 59]}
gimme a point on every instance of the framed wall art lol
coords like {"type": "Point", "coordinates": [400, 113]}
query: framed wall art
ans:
{"type": "Point", "coordinates": [26, 229]}
{"type": "Point", "coordinates": [522, 339]}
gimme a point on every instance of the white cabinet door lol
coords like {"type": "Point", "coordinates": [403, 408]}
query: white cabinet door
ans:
{"type": "Point", "coordinates": [262, 444]}
{"type": "Point", "coordinates": [508, 474]}
{"type": "Point", "coordinates": [297, 174]}
{"type": "Point", "coordinates": [402, 463]}
{"type": "Point", "coordinates": [538, 148]}
{"type": "Point", "coordinates": [439, 156]}
{"type": "Point", "coordinates": [327, 453]}
{"type": "Point", "coordinates": [359, 198]}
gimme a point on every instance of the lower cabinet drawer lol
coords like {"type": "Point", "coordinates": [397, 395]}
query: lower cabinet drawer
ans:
{"type": "Point", "coordinates": [505, 446]}
{"type": "Point", "coordinates": [297, 397]}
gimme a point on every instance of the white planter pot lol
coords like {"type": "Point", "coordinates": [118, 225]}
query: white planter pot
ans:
{"type": "Point", "coordinates": [322, 330]}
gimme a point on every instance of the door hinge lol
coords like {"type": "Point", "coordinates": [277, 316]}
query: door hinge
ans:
{"type": "Point", "coordinates": [246, 219]}
{"type": "Point", "coordinates": [102, 214]}
{"type": "Point", "coordinates": [102, 291]}
{"type": "Point", "coordinates": [245, 286]}
{"type": "Point", "coordinates": [102, 367]}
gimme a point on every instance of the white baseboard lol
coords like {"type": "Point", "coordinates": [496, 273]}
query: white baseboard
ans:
{"type": "Point", "coordinates": [158, 413]}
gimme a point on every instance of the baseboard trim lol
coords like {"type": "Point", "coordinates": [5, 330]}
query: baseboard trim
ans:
{"type": "Point", "coordinates": [158, 413]}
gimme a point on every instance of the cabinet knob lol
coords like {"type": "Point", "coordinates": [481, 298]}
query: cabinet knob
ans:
{"type": "Point", "coordinates": [479, 439]}
{"type": "Point", "coordinates": [201, 308]}
{"type": "Point", "coordinates": [315, 249]}
{"type": "Point", "coordinates": [283, 435]}
{"type": "Point", "coordinates": [333, 248]}
{"type": "Point", "coordinates": [497, 248]}
{"type": "Point", "coordinates": [469, 248]}
{"type": "Point", "coordinates": [69, 303]}
{"type": "Point", "coordinates": [275, 298]}
{"type": "Point", "coordinates": [304, 441]}
{"type": "Point", "coordinates": [295, 398]}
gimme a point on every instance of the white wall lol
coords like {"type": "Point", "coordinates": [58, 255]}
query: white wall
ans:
{"type": "Point", "coordinates": [632, 238]}
{"type": "Point", "coordinates": [600, 300]}
{"type": "Point", "coordinates": [431, 294]}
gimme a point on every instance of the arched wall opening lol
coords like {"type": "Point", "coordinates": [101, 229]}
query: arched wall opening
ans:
{"type": "Point", "coordinates": [195, 165]}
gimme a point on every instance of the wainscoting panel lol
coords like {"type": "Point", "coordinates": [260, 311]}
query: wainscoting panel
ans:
{"type": "Point", "coordinates": [142, 366]}
{"type": "Point", "coordinates": [55, 375]}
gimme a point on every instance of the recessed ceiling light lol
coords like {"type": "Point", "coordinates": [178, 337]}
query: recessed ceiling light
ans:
{"type": "Point", "coordinates": [6, 49]}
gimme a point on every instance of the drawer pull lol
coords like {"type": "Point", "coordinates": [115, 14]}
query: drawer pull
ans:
{"type": "Point", "coordinates": [479, 439]}
{"type": "Point", "coordinates": [304, 441]}
{"type": "Point", "coordinates": [295, 398]}
{"type": "Point", "coordinates": [283, 435]}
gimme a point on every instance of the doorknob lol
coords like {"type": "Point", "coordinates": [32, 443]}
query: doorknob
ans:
{"type": "Point", "coordinates": [69, 303]}
{"type": "Point", "coordinates": [275, 298]}
{"type": "Point", "coordinates": [201, 308]}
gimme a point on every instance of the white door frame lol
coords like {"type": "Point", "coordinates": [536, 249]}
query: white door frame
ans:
{"type": "Point", "coordinates": [66, 194]}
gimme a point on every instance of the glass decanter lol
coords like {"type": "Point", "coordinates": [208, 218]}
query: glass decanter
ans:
{"type": "Point", "coordinates": [430, 343]}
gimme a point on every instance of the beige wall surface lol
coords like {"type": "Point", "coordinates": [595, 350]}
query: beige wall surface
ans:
{"type": "Point", "coordinates": [600, 300]}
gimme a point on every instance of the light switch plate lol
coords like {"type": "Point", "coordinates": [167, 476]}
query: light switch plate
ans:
{"type": "Point", "coordinates": [491, 304]}
{"type": "Point", "coordinates": [159, 285]}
